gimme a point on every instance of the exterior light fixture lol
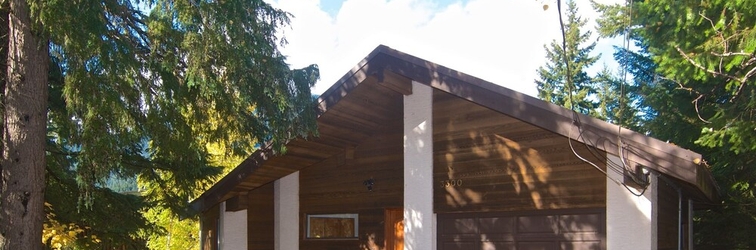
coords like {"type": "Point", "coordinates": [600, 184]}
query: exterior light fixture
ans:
{"type": "Point", "coordinates": [369, 184]}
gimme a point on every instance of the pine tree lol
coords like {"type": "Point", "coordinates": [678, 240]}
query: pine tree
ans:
{"type": "Point", "coordinates": [696, 74]}
{"type": "Point", "coordinates": [553, 83]}
{"type": "Point", "coordinates": [23, 141]}
{"type": "Point", "coordinates": [136, 95]}
{"type": "Point", "coordinates": [617, 100]}
{"type": "Point", "coordinates": [175, 232]}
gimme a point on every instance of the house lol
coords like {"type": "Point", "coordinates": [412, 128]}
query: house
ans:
{"type": "Point", "coordinates": [413, 155]}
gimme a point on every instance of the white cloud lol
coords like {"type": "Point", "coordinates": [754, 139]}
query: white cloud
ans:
{"type": "Point", "coordinates": [500, 41]}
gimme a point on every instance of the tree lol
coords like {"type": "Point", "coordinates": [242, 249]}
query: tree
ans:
{"type": "Point", "coordinates": [174, 232]}
{"type": "Point", "coordinates": [707, 50]}
{"type": "Point", "coordinates": [553, 85]}
{"type": "Point", "coordinates": [23, 142]}
{"type": "Point", "coordinates": [617, 100]}
{"type": "Point", "coordinates": [604, 95]}
{"type": "Point", "coordinates": [135, 95]}
{"type": "Point", "coordinates": [697, 64]}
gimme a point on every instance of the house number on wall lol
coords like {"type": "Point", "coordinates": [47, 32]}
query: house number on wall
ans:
{"type": "Point", "coordinates": [451, 183]}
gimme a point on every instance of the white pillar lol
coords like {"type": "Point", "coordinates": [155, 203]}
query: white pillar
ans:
{"type": "Point", "coordinates": [419, 227]}
{"type": "Point", "coordinates": [286, 205]}
{"type": "Point", "coordinates": [233, 229]}
{"type": "Point", "coordinates": [630, 220]}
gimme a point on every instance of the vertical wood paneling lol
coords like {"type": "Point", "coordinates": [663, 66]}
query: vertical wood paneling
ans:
{"type": "Point", "coordinates": [209, 228]}
{"type": "Point", "coordinates": [667, 217]}
{"type": "Point", "coordinates": [260, 218]}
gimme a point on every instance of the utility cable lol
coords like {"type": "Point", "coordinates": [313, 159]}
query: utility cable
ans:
{"type": "Point", "coordinates": [576, 118]}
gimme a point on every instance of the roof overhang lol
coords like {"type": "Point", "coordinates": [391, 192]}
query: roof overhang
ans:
{"type": "Point", "coordinates": [395, 70]}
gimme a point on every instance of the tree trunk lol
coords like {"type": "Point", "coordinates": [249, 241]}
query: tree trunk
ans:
{"type": "Point", "coordinates": [24, 134]}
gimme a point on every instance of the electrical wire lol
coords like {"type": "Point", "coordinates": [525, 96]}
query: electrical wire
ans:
{"type": "Point", "coordinates": [576, 120]}
{"type": "Point", "coordinates": [626, 46]}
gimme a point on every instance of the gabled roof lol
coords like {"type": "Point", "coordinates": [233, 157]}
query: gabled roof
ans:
{"type": "Point", "coordinates": [386, 74]}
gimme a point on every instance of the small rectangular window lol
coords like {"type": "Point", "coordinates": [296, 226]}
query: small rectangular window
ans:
{"type": "Point", "coordinates": [332, 226]}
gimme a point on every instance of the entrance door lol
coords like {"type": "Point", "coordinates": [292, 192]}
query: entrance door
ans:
{"type": "Point", "coordinates": [394, 228]}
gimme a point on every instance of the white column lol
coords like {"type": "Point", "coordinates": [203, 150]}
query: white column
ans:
{"type": "Point", "coordinates": [419, 227]}
{"type": "Point", "coordinates": [286, 205]}
{"type": "Point", "coordinates": [233, 229]}
{"type": "Point", "coordinates": [630, 220]}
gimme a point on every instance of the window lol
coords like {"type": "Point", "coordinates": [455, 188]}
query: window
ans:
{"type": "Point", "coordinates": [332, 226]}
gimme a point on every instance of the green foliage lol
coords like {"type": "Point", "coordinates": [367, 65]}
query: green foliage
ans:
{"type": "Point", "coordinates": [143, 95]}
{"type": "Point", "coordinates": [62, 194]}
{"type": "Point", "coordinates": [553, 85]}
{"type": "Point", "coordinates": [122, 185]}
{"type": "Point", "coordinates": [617, 100]}
{"type": "Point", "coordinates": [707, 48]}
{"type": "Point", "coordinates": [174, 233]}
{"type": "Point", "coordinates": [604, 95]}
{"type": "Point", "coordinates": [695, 76]}
{"type": "Point", "coordinates": [177, 233]}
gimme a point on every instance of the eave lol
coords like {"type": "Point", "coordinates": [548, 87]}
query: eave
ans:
{"type": "Point", "coordinates": [390, 73]}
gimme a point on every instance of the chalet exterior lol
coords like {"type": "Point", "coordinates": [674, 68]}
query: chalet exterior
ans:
{"type": "Point", "coordinates": [413, 155]}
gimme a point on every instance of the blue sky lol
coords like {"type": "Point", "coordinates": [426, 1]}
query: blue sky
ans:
{"type": "Point", "coordinates": [331, 7]}
{"type": "Point", "coordinates": [500, 41]}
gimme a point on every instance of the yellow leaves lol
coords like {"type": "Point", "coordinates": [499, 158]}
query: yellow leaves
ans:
{"type": "Point", "coordinates": [219, 156]}
{"type": "Point", "coordinates": [179, 234]}
{"type": "Point", "coordinates": [59, 235]}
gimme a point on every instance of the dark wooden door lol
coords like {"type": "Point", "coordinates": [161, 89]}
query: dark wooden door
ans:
{"type": "Point", "coordinates": [394, 228]}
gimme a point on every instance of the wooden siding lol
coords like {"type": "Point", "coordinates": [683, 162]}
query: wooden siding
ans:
{"type": "Point", "coordinates": [337, 186]}
{"type": "Point", "coordinates": [209, 228]}
{"type": "Point", "coordinates": [544, 229]}
{"type": "Point", "coordinates": [667, 216]}
{"type": "Point", "coordinates": [260, 218]}
{"type": "Point", "coordinates": [371, 93]}
{"type": "Point", "coordinates": [488, 161]}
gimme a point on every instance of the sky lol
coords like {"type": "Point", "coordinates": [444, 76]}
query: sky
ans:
{"type": "Point", "coordinates": [500, 41]}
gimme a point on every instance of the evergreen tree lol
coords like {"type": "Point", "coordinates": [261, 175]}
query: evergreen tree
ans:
{"type": "Point", "coordinates": [174, 232]}
{"type": "Point", "coordinates": [553, 85]}
{"type": "Point", "coordinates": [23, 130]}
{"type": "Point", "coordinates": [696, 75]}
{"type": "Point", "coordinates": [135, 95]}
{"type": "Point", "coordinates": [617, 100]}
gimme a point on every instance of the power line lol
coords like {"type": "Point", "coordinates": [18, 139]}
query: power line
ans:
{"type": "Point", "coordinates": [620, 169]}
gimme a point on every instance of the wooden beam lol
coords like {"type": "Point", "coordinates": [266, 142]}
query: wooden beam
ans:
{"type": "Point", "coordinates": [237, 203]}
{"type": "Point", "coordinates": [394, 81]}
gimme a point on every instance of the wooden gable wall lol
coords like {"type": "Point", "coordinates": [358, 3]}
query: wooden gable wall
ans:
{"type": "Point", "coordinates": [487, 161]}
{"type": "Point", "coordinates": [369, 123]}
{"type": "Point", "coordinates": [261, 218]}
{"type": "Point", "coordinates": [337, 186]}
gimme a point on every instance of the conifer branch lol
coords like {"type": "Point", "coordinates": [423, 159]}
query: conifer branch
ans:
{"type": "Point", "coordinates": [701, 67]}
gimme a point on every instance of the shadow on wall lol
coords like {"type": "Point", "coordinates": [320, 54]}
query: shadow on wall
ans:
{"type": "Point", "coordinates": [527, 180]}
{"type": "Point", "coordinates": [487, 161]}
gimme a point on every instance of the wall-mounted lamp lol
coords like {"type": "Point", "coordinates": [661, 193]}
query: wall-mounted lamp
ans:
{"type": "Point", "coordinates": [369, 184]}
